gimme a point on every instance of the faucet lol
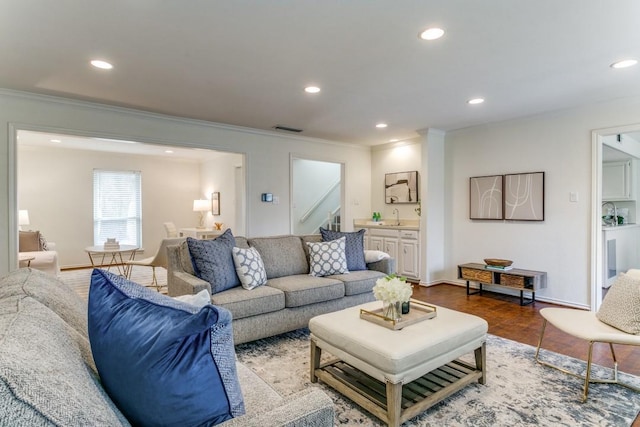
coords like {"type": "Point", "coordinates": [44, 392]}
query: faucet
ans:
{"type": "Point", "coordinates": [395, 211]}
{"type": "Point", "coordinates": [614, 222]}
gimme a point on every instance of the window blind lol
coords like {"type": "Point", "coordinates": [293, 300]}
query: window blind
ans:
{"type": "Point", "coordinates": [117, 207]}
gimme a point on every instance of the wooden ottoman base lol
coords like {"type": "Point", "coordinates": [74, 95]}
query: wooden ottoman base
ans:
{"type": "Point", "coordinates": [395, 403]}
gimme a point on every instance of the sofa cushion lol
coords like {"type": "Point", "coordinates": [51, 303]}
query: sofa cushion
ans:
{"type": "Point", "coordinates": [29, 241]}
{"type": "Point", "coordinates": [213, 261]}
{"type": "Point", "coordinates": [282, 255]}
{"type": "Point", "coordinates": [249, 267]}
{"type": "Point", "coordinates": [359, 282]}
{"type": "Point", "coordinates": [45, 375]}
{"type": "Point", "coordinates": [354, 246]}
{"type": "Point", "coordinates": [327, 258]}
{"type": "Point", "coordinates": [243, 303]}
{"type": "Point", "coordinates": [303, 289]}
{"type": "Point", "coordinates": [162, 361]}
{"type": "Point", "coordinates": [621, 306]}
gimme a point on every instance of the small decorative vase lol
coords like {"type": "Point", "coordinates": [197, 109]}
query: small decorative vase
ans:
{"type": "Point", "coordinates": [392, 310]}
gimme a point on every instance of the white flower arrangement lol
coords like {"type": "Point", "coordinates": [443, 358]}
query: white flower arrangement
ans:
{"type": "Point", "coordinates": [392, 289]}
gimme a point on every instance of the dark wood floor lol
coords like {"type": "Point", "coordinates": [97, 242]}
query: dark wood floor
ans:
{"type": "Point", "coordinates": [508, 319]}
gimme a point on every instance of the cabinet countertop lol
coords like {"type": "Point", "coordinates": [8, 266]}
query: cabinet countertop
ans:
{"type": "Point", "coordinates": [618, 227]}
{"type": "Point", "coordinates": [387, 226]}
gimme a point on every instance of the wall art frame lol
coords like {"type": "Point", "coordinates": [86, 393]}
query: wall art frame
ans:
{"type": "Point", "coordinates": [485, 197]}
{"type": "Point", "coordinates": [401, 188]}
{"type": "Point", "coordinates": [524, 196]}
{"type": "Point", "coordinates": [215, 203]}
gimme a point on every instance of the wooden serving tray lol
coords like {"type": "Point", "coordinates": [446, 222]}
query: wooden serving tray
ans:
{"type": "Point", "coordinates": [418, 312]}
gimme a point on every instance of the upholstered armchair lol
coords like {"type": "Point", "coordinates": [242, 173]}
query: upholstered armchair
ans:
{"type": "Point", "coordinates": [37, 253]}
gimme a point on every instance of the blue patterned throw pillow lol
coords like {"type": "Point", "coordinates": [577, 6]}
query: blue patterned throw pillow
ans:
{"type": "Point", "coordinates": [249, 267]}
{"type": "Point", "coordinates": [354, 248]}
{"type": "Point", "coordinates": [213, 261]}
{"type": "Point", "coordinates": [327, 258]}
{"type": "Point", "coordinates": [163, 362]}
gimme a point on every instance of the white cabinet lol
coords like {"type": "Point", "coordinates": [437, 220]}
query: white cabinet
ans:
{"type": "Point", "coordinates": [620, 251]}
{"type": "Point", "coordinates": [409, 259]}
{"type": "Point", "coordinates": [617, 181]}
{"type": "Point", "coordinates": [403, 245]}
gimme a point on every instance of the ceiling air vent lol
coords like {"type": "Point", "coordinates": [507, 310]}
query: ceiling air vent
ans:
{"type": "Point", "coordinates": [287, 129]}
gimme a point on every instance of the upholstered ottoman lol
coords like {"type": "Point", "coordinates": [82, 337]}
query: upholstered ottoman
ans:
{"type": "Point", "coordinates": [397, 374]}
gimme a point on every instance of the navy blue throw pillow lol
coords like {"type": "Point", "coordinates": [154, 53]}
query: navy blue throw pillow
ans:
{"type": "Point", "coordinates": [354, 248]}
{"type": "Point", "coordinates": [213, 261]}
{"type": "Point", "coordinates": [163, 362]}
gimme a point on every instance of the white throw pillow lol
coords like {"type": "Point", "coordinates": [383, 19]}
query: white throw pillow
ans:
{"type": "Point", "coordinates": [621, 306]}
{"type": "Point", "coordinates": [249, 267]}
{"type": "Point", "coordinates": [374, 256]}
{"type": "Point", "coordinates": [200, 299]}
{"type": "Point", "coordinates": [327, 258]}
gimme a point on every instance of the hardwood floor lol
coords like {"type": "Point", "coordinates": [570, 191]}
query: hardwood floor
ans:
{"type": "Point", "coordinates": [508, 319]}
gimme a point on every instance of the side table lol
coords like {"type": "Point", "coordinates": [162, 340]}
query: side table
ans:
{"type": "Point", "coordinates": [115, 257]}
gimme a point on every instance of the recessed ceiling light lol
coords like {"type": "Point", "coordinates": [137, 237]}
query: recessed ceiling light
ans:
{"type": "Point", "coordinates": [168, 151]}
{"type": "Point", "coordinates": [394, 140]}
{"type": "Point", "coordinates": [381, 125]}
{"type": "Point", "coordinates": [56, 140]}
{"type": "Point", "coordinates": [624, 63]}
{"type": "Point", "coordinates": [431, 34]}
{"type": "Point", "coordinates": [101, 64]}
{"type": "Point", "coordinates": [475, 101]}
{"type": "Point", "coordinates": [312, 89]}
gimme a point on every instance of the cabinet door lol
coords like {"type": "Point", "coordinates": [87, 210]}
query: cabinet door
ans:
{"type": "Point", "coordinates": [391, 247]}
{"type": "Point", "coordinates": [409, 256]}
{"type": "Point", "coordinates": [616, 180]}
{"type": "Point", "coordinates": [376, 243]}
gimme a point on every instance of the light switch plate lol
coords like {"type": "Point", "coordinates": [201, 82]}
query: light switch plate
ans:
{"type": "Point", "coordinates": [573, 196]}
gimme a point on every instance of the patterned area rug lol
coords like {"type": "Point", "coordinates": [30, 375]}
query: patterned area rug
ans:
{"type": "Point", "coordinates": [519, 392]}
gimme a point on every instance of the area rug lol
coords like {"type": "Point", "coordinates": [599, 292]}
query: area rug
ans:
{"type": "Point", "coordinates": [519, 392]}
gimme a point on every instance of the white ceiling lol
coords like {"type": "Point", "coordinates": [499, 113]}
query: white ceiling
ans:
{"type": "Point", "coordinates": [246, 62]}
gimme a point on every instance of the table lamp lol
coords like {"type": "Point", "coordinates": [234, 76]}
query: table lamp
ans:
{"type": "Point", "coordinates": [201, 206]}
{"type": "Point", "coordinates": [23, 218]}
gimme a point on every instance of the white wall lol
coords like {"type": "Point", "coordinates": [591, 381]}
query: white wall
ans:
{"type": "Point", "coordinates": [267, 156]}
{"type": "Point", "coordinates": [219, 175]}
{"type": "Point", "coordinates": [56, 187]}
{"type": "Point", "coordinates": [558, 143]}
{"type": "Point", "coordinates": [391, 158]}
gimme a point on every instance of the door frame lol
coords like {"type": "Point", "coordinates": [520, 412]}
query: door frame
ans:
{"type": "Point", "coordinates": [597, 265]}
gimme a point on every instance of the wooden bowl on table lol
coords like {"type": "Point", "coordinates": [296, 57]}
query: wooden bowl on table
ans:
{"type": "Point", "coordinates": [497, 262]}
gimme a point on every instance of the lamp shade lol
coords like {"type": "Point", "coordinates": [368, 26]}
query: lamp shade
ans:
{"type": "Point", "coordinates": [23, 217]}
{"type": "Point", "coordinates": [201, 205]}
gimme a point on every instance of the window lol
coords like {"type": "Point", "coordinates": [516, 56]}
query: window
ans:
{"type": "Point", "coordinates": [117, 207]}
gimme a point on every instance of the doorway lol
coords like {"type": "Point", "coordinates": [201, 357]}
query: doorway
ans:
{"type": "Point", "coordinates": [317, 195]}
{"type": "Point", "coordinates": [616, 185]}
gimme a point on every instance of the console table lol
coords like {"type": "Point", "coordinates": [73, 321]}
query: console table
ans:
{"type": "Point", "coordinates": [522, 280]}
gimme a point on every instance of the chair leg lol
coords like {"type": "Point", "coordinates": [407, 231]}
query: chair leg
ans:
{"type": "Point", "coordinates": [154, 280]}
{"type": "Point", "coordinates": [587, 377]}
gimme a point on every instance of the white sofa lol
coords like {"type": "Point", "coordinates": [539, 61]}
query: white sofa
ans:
{"type": "Point", "coordinates": [37, 253]}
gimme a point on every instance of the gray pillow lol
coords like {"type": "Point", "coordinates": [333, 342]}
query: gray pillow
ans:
{"type": "Point", "coordinates": [354, 247]}
{"type": "Point", "coordinates": [213, 261]}
{"type": "Point", "coordinates": [621, 306]}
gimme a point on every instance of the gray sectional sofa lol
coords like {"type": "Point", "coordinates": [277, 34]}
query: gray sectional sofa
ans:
{"type": "Point", "coordinates": [48, 376]}
{"type": "Point", "coordinates": [289, 298]}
